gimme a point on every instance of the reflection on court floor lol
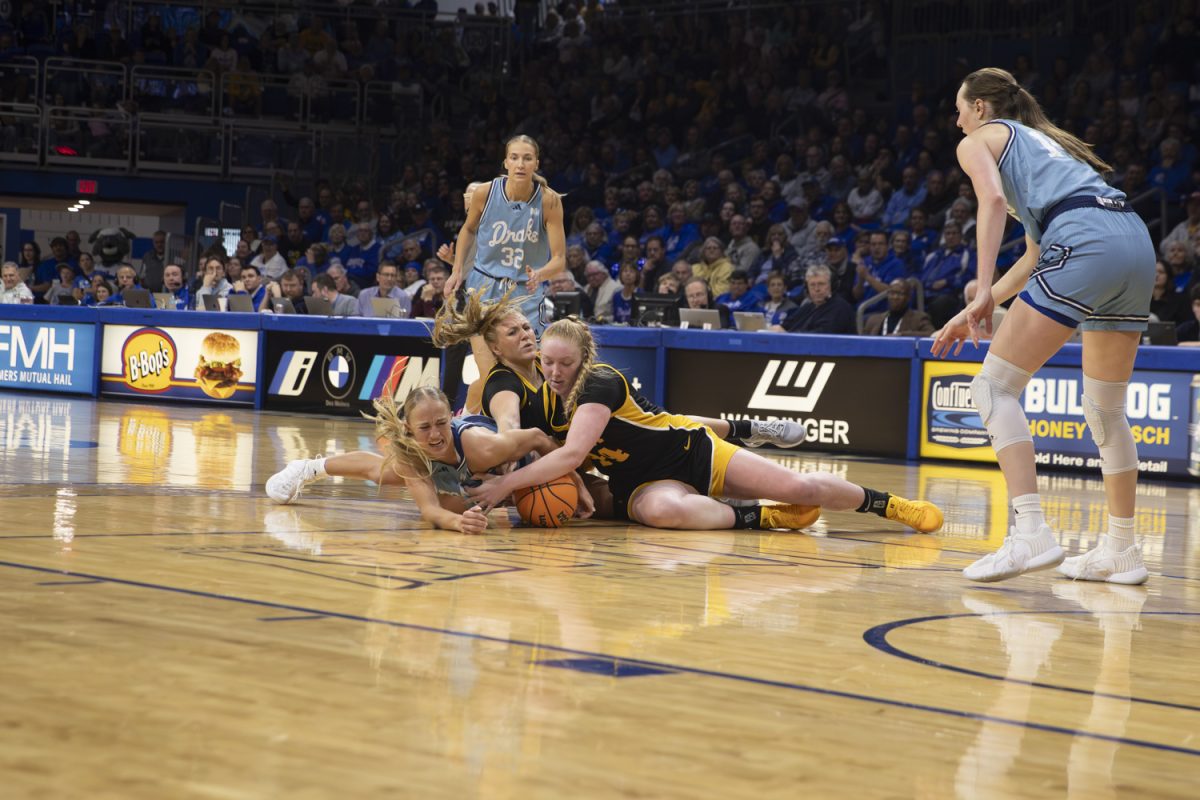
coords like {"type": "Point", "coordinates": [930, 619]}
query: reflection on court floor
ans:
{"type": "Point", "coordinates": [171, 633]}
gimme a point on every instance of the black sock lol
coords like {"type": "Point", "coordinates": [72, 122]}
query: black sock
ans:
{"type": "Point", "coordinates": [738, 429]}
{"type": "Point", "coordinates": [747, 517]}
{"type": "Point", "coordinates": [875, 502]}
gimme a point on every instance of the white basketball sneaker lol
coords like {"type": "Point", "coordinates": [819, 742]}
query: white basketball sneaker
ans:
{"type": "Point", "coordinates": [1098, 564]}
{"type": "Point", "coordinates": [779, 432]}
{"type": "Point", "coordinates": [1018, 555]}
{"type": "Point", "coordinates": [285, 486]}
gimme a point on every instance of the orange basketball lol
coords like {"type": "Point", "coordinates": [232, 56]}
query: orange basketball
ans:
{"type": "Point", "coordinates": [548, 505]}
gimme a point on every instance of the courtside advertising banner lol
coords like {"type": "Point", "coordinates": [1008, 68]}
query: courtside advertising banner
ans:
{"type": "Point", "coordinates": [845, 404]}
{"type": "Point", "coordinates": [1158, 405]}
{"type": "Point", "coordinates": [198, 364]}
{"type": "Point", "coordinates": [325, 373]}
{"type": "Point", "coordinates": [47, 356]}
{"type": "Point", "coordinates": [637, 364]}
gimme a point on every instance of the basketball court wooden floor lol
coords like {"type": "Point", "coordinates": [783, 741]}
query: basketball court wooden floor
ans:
{"type": "Point", "coordinates": [168, 633]}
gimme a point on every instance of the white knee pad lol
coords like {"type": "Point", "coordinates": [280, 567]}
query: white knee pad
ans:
{"type": "Point", "coordinates": [997, 394]}
{"type": "Point", "coordinates": [1104, 410]}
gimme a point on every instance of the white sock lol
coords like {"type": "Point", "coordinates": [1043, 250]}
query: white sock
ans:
{"type": "Point", "coordinates": [318, 467]}
{"type": "Point", "coordinates": [1119, 536]}
{"type": "Point", "coordinates": [1028, 508]}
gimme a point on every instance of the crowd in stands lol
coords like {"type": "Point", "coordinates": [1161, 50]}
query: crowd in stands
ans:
{"type": "Point", "coordinates": [723, 159]}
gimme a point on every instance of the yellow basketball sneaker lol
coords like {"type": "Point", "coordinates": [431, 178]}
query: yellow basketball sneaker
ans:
{"type": "Point", "coordinates": [790, 517]}
{"type": "Point", "coordinates": [921, 515]}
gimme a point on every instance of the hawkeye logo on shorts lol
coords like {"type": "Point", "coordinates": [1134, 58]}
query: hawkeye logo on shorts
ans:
{"type": "Point", "coordinates": [790, 375]}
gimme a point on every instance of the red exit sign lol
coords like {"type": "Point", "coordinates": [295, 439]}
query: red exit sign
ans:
{"type": "Point", "coordinates": [87, 186]}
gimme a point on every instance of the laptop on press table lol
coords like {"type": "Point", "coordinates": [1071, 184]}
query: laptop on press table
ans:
{"type": "Point", "coordinates": [210, 302]}
{"type": "Point", "coordinates": [137, 298]}
{"type": "Point", "coordinates": [749, 321]}
{"type": "Point", "coordinates": [1161, 333]}
{"type": "Point", "coordinates": [164, 301]}
{"type": "Point", "coordinates": [386, 307]}
{"type": "Point", "coordinates": [241, 302]}
{"type": "Point", "coordinates": [700, 318]}
{"type": "Point", "coordinates": [318, 306]}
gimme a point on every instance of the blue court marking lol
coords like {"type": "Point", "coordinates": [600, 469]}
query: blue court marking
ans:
{"type": "Point", "coordinates": [612, 667]}
{"type": "Point", "coordinates": [295, 618]}
{"type": "Point", "coordinates": [69, 583]}
{"type": "Point", "coordinates": [775, 684]}
{"type": "Point", "coordinates": [877, 638]}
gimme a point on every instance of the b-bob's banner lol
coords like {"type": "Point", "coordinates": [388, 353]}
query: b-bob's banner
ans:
{"type": "Point", "coordinates": [203, 364]}
{"type": "Point", "coordinates": [1158, 405]}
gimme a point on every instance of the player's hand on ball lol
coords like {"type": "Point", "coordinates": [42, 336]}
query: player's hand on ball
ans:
{"type": "Point", "coordinates": [491, 491]}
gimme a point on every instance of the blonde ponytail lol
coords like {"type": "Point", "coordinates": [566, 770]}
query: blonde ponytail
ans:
{"type": "Point", "coordinates": [476, 318]}
{"type": "Point", "coordinates": [1010, 100]}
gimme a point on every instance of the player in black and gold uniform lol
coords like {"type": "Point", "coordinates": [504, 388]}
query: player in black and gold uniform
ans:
{"type": "Point", "coordinates": [665, 469]}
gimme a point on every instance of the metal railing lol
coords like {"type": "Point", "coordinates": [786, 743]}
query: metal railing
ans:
{"type": "Point", "coordinates": [20, 80]}
{"type": "Point", "coordinates": [20, 133]}
{"type": "Point", "coordinates": [189, 92]}
{"type": "Point", "coordinates": [101, 137]}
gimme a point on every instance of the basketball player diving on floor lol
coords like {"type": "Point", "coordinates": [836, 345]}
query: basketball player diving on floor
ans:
{"type": "Point", "coordinates": [666, 470]}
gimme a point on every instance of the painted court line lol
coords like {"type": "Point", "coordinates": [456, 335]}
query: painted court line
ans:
{"type": "Point", "coordinates": [539, 646]}
{"type": "Point", "coordinates": [877, 638]}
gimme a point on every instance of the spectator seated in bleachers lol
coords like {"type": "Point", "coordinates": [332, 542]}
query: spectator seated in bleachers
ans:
{"type": "Point", "coordinates": [877, 269]}
{"type": "Point", "coordinates": [947, 270]}
{"type": "Point", "coordinates": [823, 311]}
{"type": "Point", "coordinates": [739, 297]}
{"type": "Point", "coordinates": [900, 319]}
{"type": "Point", "coordinates": [13, 290]}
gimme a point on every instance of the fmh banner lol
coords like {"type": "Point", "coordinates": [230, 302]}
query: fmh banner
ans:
{"type": "Point", "coordinates": [47, 356]}
{"type": "Point", "coordinates": [856, 405]}
{"type": "Point", "coordinates": [330, 373]}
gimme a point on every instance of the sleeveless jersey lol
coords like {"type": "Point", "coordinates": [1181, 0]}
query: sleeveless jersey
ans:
{"type": "Point", "coordinates": [540, 408]}
{"type": "Point", "coordinates": [453, 478]}
{"type": "Point", "coordinates": [512, 235]}
{"type": "Point", "coordinates": [1037, 173]}
{"type": "Point", "coordinates": [641, 441]}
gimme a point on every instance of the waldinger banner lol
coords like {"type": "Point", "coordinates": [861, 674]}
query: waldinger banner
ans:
{"type": "Point", "coordinates": [850, 404]}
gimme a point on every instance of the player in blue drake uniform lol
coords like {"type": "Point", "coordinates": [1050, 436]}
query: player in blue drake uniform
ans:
{"type": "Point", "coordinates": [1089, 264]}
{"type": "Point", "coordinates": [515, 231]}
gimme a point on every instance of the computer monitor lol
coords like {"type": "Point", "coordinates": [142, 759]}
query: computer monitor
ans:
{"type": "Point", "coordinates": [566, 304]}
{"type": "Point", "coordinates": [654, 310]}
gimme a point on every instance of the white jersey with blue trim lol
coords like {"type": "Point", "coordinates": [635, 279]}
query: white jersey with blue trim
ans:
{"type": "Point", "coordinates": [1037, 173]}
{"type": "Point", "coordinates": [512, 234]}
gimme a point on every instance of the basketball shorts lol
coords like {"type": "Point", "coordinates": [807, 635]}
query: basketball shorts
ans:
{"type": "Point", "coordinates": [1095, 272]}
{"type": "Point", "coordinates": [491, 290]}
{"type": "Point", "coordinates": [703, 470]}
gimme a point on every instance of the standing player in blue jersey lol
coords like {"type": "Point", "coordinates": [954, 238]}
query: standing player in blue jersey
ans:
{"type": "Point", "coordinates": [515, 230]}
{"type": "Point", "coordinates": [1089, 264]}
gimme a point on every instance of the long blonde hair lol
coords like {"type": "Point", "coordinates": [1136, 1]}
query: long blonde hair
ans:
{"type": "Point", "coordinates": [391, 424]}
{"type": "Point", "coordinates": [1010, 100]}
{"type": "Point", "coordinates": [475, 318]}
{"type": "Point", "coordinates": [537, 151]}
{"type": "Point", "coordinates": [571, 329]}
